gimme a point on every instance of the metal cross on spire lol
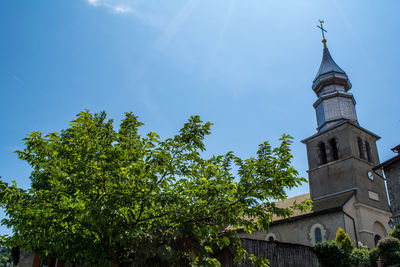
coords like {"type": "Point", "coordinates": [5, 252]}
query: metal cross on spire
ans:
{"type": "Point", "coordinates": [322, 28]}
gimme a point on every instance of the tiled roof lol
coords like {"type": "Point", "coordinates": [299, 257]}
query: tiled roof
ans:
{"type": "Point", "coordinates": [327, 204]}
{"type": "Point", "coordinates": [387, 162]}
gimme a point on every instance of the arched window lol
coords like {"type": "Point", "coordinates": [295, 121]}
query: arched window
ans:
{"type": "Point", "coordinates": [334, 149]}
{"type": "Point", "coordinates": [368, 149]}
{"type": "Point", "coordinates": [360, 148]}
{"type": "Point", "coordinates": [376, 239]}
{"type": "Point", "coordinates": [322, 154]}
{"type": "Point", "coordinates": [271, 237]}
{"type": "Point", "coordinates": [379, 231]}
{"type": "Point", "coordinates": [318, 235]}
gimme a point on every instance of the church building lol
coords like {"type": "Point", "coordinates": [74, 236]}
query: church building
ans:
{"type": "Point", "coordinates": [345, 191]}
{"type": "Point", "coordinates": [391, 169]}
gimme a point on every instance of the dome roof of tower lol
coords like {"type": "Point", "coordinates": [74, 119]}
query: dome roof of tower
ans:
{"type": "Point", "coordinates": [330, 73]}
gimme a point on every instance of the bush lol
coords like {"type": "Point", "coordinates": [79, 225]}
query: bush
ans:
{"type": "Point", "coordinates": [373, 257]}
{"type": "Point", "coordinates": [330, 254]}
{"type": "Point", "coordinates": [340, 252]}
{"type": "Point", "coordinates": [396, 232]}
{"type": "Point", "coordinates": [389, 250]}
{"type": "Point", "coordinates": [5, 256]}
{"type": "Point", "coordinates": [359, 256]}
{"type": "Point", "coordinates": [343, 241]}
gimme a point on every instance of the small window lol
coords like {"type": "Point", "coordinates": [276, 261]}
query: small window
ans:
{"type": "Point", "coordinates": [322, 154]}
{"type": "Point", "coordinates": [376, 239]}
{"type": "Point", "coordinates": [318, 235]}
{"type": "Point", "coordinates": [271, 237]}
{"type": "Point", "coordinates": [360, 148]}
{"type": "Point", "coordinates": [334, 149]}
{"type": "Point", "coordinates": [368, 149]}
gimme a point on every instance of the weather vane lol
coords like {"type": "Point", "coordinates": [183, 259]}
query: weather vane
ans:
{"type": "Point", "coordinates": [322, 31]}
{"type": "Point", "coordinates": [322, 28]}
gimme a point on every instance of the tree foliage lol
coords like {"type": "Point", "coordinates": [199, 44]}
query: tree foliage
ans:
{"type": "Point", "coordinates": [339, 252]}
{"type": "Point", "coordinates": [373, 257]}
{"type": "Point", "coordinates": [389, 250]}
{"type": "Point", "coordinates": [343, 240]}
{"type": "Point", "coordinates": [5, 256]}
{"type": "Point", "coordinates": [330, 254]}
{"type": "Point", "coordinates": [101, 195]}
{"type": "Point", "coordinates": [360, 255]}
{"type": "Point", "coordinates": [395, 233]}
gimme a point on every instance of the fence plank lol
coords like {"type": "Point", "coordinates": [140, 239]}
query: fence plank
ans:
{"type": "Point", "coordinates": [279, 254]}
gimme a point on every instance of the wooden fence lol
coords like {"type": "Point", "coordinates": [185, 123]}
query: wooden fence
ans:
{"type": "Point", "coordinates": [279, 254]}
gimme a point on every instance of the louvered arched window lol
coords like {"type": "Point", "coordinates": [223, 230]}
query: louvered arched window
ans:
{"type": "Point", "coordinates": [333, 149]}
{"type": "Point", "coordinates": [323, 159]}
{"type": "Point", "coordinates": [360, 148]}
{"type": "Point", "coordinates": [368, 150]}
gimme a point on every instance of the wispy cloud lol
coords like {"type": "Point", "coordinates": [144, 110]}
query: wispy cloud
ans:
{"type": "Point", "coordinates": [146, 12]}
{"type": "Point", "coordinates": [219, 41]}
{"type": "Point", "coordinates": [18, 80]}
{"type": "Point", "coordinates": [169, 31]}
{"type": "Point", "coordinates": [167, 18]}
{"type": "Point", "coordinates": [176, 24]}
{"type": "Point", "coordinates": [115, 7]}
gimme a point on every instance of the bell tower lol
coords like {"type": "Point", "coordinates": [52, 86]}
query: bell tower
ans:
{"type": "Point", "coordinates": [341, 153]}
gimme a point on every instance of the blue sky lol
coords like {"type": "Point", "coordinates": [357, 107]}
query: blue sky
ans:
{"type": "Point", "coordinates": [245, 65]}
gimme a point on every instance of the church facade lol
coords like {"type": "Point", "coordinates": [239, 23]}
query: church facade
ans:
{"type": "Point", "coordinates": [345, 191]}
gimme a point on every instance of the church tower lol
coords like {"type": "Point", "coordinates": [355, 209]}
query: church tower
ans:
{"type": "Point", "coordinates": [345, 190]}
{"type": "Point", "coordinates": [342, 153]}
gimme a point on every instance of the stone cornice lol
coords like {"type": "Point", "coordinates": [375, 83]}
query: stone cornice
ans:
{"type": "Point", "coordinates": [372, 208]}
{"type": "Point", "coordinates": [366, 231]}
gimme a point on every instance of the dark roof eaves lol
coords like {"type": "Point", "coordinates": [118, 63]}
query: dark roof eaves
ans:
{"type": "Point", "coordinates": [275, 241]}
{"type": "Point", "coordinates": [322, 132]}
{"type": "Point", "coordinates": [338, 125]}
{"type": "Point", "coordinates": [387, 162]}
{"type": "Point", "coordinates": [300, 217]}
{"type": "Point", "coordinates": [349, 197]}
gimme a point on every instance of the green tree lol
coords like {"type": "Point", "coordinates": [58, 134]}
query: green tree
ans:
{"type": "Point", "coordinates": [330, 254]}
{"type": "Point", "coordinates": [389, 250]}
{"type": "Point", "coordinates": [373, 257]}
{"type": "Point", "coordinates": [5, 256]}
{"type": "Point", "coordinates": [395, 233]}
{"type": "Point", "coordinates": [102, 196]}
{"type": "Point", "coordinates": [339, 252]}
{"type": "Point", "coordinates": [343, 241]}
{"type": "Point", "coordinates": [360, 255]}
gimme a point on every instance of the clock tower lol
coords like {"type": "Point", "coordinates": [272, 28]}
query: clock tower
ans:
{"type": "Point", "coordinates": [345, 190]}
{"type": "Point", "coordinates": [341, 153]}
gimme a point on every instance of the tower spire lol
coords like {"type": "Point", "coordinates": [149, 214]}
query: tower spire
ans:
{"type": "Point", "coordinates": [321, 26]}
{"type": "Point", "coordinates": [331, 84]}
{"type": "Point", "coordinates": [329, 72]}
